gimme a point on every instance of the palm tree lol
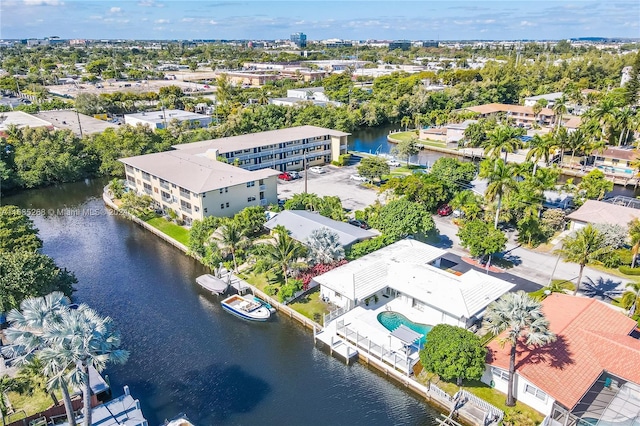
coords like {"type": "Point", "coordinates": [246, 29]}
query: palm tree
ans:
{"type": "Point", "coordinates": [559, 109]}
{"type": "Point", "coordinates": [631, 298]}
{"type": "Point", "coordinates": [324, 246]}
{"type": "Point", "coordinates": [405, 121]}
{"type": "Point", "coordinates": [542, 147]}
{"type": "Point", "coordinates": [467, 201]}
{"type": "Point", "coordinates": [522, 319]}
{"type": "Point", "coordinates": [577, 141]}
{"type": "Point", "coordinates": [583, 247]}
{"type": "Point", "coordinates": [634, 236]}
{"type": "Point", "coordinates": [623, 119]}
{"type": "Point", "coordinates": [604, 112]}
{"type": "Point", "coordinates": [80, 340]}
{"type": "Point", "coordinates": [283, 254]}
{"type": "Point", "coordinates": [9, 384]}
{"type": "Point", "coordinates": [232, 238]}
{"type": "Point", "coordinates": [502, 138]}
{"type": "Point", "coordinates": [501, 183]}
{"type": "Point", "coordinates": [27, 337]}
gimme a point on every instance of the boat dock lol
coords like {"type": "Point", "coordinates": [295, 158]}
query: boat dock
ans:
{"type": "Point", "coordinates": [337, 346]}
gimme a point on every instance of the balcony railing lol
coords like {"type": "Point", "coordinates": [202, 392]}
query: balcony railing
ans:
{"type": "Point", "coordinates": [185, 209]}
{"type": "Point", "coordinates": [164, 185]}
{"type": "Point", "coordinates": [186, 195]}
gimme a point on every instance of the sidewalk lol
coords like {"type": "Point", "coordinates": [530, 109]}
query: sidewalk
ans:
{"type": "Point", "coordinates": [529, 264]}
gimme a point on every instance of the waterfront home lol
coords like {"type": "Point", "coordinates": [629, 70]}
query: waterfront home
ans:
{"type": "Point", "coordinates": [283, 150]}
{"type": "Point", "coordinates": [551, 99]}
{"type": "Point", "coordinates": [601, 212]}
{"type": "Point", "coordinates": [123, 410]}
{"type": "Point", "coordinates": [401, 287]}
{"type": "Point", "coordinates": [615, 160]}
{"type": "Point", "coordinates": [302, 223]}
{"type": "Point", "coordinates": [521, 115]}
{"type": "Point", "coordinates": [199, 185]}
{"type": "Point", "coordinates": [590, 371]}
{"type": "Point", "coordinates": [161, 119]}
{"type": "Point", "coordinates": [408, 275]}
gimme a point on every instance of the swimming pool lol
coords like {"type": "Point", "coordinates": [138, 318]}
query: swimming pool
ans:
{"type": "Point", "coordinates": [612, 169]}
{"type": "Point", "coordinates": [590, 421]}
{"type": "Point", "coordinates": [393, 320]}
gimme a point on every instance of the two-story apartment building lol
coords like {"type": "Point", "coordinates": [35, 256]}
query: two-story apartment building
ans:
{"type": "Point", "coordinates": [199, 185]}
{"type": "Point", "coordinates": [284, 149]}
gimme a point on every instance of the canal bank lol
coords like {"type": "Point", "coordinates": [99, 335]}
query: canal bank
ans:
{"type": "Point", "coordinates": [432, 394]}
{"type": "Point", "coordinates": [187, 354]}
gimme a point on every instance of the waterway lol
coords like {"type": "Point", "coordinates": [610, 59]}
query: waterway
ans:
{"type": "Point", "coordinates": [374, 140]}
{"type": "Point", "coordinates": [187, 354]}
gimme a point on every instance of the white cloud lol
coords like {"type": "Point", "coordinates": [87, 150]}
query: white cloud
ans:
{"type": "Point", "coordinates": [188, 19]}
{"type": "Point", "coordinates": [149, 3]}
{"type": "Point", "coordinates": [43, 2]}
{"type": "Point", "coordinates": [212, 22]}
{"type": "Point", "coordinates": [115, 10]}
{"type": "Point", "coordinates": [162, 21]}
{"type": "Point", "coordinates": [527, 24]}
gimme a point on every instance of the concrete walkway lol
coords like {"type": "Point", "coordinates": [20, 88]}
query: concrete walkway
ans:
{"type": "Point", "coordinates": [534, 266]}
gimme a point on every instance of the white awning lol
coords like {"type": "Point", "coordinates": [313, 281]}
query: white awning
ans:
{"type": "Point", "coordinates": [407, 335]}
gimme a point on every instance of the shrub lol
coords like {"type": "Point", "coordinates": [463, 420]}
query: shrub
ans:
{"type": "Point", "coordinates": [617, 258]}
{"type": "Point", "coordinates": [368, 246]}
{"type": "Point", "coordinates": [629, 271]}
{"type": "Point", "coordinates": [308, 274]}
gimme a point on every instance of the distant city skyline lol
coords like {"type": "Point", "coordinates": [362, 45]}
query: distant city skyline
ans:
{"type": "Point", "coordinates": [354, 20]}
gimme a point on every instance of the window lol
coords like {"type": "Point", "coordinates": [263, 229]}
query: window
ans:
{"type": "Point", "coordinates": [535, 392]}
{"type": "Point", "coordinates": [205, 210]}
{"type": "Point", "coordinates": [147, 187]}
{"type": "Point", "coordinates": [129, 168]}
{"type": "Point", "coordinates": [250, 199]}
{"type": "Point", "coordinates": [184, 205]}
{"type": "Point", "coordinates": [196, 208]}
{"type": "Point", "coordinates": [500, 374]}
{"type": "Point", "coordinates": [250, 184]}
{"type": "Point", "coordinates": [226, 204]}
{"type": "Point", "coordinates": [261, 181]}
{"type": "Point", "coordinates": [165, 195]}
{"type": "Point", "coordinates": [261, 195]}
{"type": "Point", "coordinates": [146, 176]}
{"type": "Point", "coordinates": [224, 190]}
{"type": "Point", "coordinates": [222, 205]}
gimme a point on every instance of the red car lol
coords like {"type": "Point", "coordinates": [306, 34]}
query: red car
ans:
{"type": "Point", "coordinates": [285, 176]}
{"type": "Point", "coordinates": [445, 210]}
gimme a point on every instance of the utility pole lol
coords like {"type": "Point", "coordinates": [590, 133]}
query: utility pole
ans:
{"type": "Point", "coordinates": [79, 124]}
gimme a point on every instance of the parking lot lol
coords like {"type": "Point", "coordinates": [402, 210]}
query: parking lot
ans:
{"type": "Point", "coordinates": [336, 182]}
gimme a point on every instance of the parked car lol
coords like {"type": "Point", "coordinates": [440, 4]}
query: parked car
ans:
{"type": "Point", "coordinates": [393, 163]}
{"type": "Point", "coordinates": [294, 175]}
{"type": "Point", "coordinates": [317, 169]}
{"type": "Point", "coordinates": [445, 210]}
{"type": "Point", "coordinates": [458, 213]}
{"type": "Point", "coordinates": [358, 178]}
{"type": "Point", "coordinates": [359, 223]}
{"type": "Point", "coordinates": [285, 176]}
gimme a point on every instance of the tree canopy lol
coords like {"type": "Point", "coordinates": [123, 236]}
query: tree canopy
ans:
{"type": "Point", "coordinates": [402, 217]}
{"type": "Point", "coordinates": [481, 239]}
{"type": "Point", "coordinates": [373, 167]}
{"type": "Point", "coordinates": [453, 353]}
{"type": "Point", "coordinates": [17, 231]}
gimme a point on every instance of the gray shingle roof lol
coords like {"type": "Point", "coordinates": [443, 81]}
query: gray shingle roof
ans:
{"type": "Point", "coordinates": [254, 140]}
{"type": "Point", "coordinates": [196, 173]}
{"type": "Point", "coordinates": [302, 223]}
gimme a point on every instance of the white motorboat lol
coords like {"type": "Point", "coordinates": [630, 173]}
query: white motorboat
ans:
{"type": "Point", "coordinates": [246, 308]}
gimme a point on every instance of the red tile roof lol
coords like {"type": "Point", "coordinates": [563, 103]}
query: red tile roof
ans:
{"type": "Point", "coordinates": [493, 108]}
{"type": "Point", "coordinates": [592, 338]}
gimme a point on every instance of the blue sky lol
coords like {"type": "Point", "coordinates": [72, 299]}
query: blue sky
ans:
{"type": "Point", "coordinates": [238, 19]}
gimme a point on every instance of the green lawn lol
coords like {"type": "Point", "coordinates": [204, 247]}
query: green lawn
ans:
{"type": "Point", "coordinates": [405, 136]}
{"type": "Point", "coordinates": [539, 294]}
{"type": "Point", "coordinates": [171, 229]}
{"type": "Point", "coordinates": [495, 398]}
{"type": "Point", "coordinates": [32, 403]}
{"type": "Point", "coordinates": [257, 280]}
{"type": "Point", "coordinates": [311, 307]}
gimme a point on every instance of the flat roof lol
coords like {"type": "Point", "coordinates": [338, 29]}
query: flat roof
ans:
{"type": "Point", "coordinates": [495, 107]}
{"type": "Point", "coordinates": [370, 273]}
{"type": "Point", "coordinates": [548, 96]}
{"type": "Point", "coordinates": [67, 119]}
{"type": "Point", "coordinates": [254, 140]}
{"type": "Point", "coordinates": [307, 89]}
{"type": "Point", "coordinates": [168, 115]}
{"type": "Point", "coordinates": [21, 119]}
{"type": "Point", "coordinates": [196, 173]}
{"type": "Point", "coordinates": [302, 223]}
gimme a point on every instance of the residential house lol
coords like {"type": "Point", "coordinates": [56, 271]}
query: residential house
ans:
{"type": "Point", "coordinates": [455, 131]}
{"type": "Point", "coordinates": [601, 212]}
{"type": "Point", "coordinates": [408, 273]}
{"type": "Point", "coordinates": [551, 99]}
{"type": "Point", "coordinates": [590, 372]}
{"type": "Point", "coordinates": [199, 185]}
{"type": "Point", "coordinates": [615, 160]}
{"type": "Point", "coordinates": [521, 115]}
{"type": "Point", "coordinates": [302, 223]}
{"type": "Point", "coordinates": [162, 119]}
{"type": "Point", "coordinates": [313, 95]}
{"type": "Point", "coordinates": [284, 149]}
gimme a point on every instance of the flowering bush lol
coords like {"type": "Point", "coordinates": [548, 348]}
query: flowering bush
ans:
{"type": "Point", "coordinates": [308, 274]}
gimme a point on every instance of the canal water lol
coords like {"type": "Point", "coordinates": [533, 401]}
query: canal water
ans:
{"type": "Point", "coordinates": [187, 354]}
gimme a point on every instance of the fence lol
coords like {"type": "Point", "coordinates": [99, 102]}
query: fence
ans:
{"type": "Point", "coordinates": [327, 318]}
{"type": "Point", "coordinates": [492, 414]}
{"type": "Point", "coordinates": [53, 412]}
{"type": "Point", "coordinates": [380, 352]}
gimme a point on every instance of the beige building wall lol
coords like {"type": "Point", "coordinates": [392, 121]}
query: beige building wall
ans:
{"type": "Point", "coordinates": [191, 206]}
{"type": "Point", "coordinates": [338, 146]}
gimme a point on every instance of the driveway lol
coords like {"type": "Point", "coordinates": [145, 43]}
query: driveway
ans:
{"type": "Point", "coordinates": [535, 267]}
{"type": "Point", "coordinates": [336, 182]}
